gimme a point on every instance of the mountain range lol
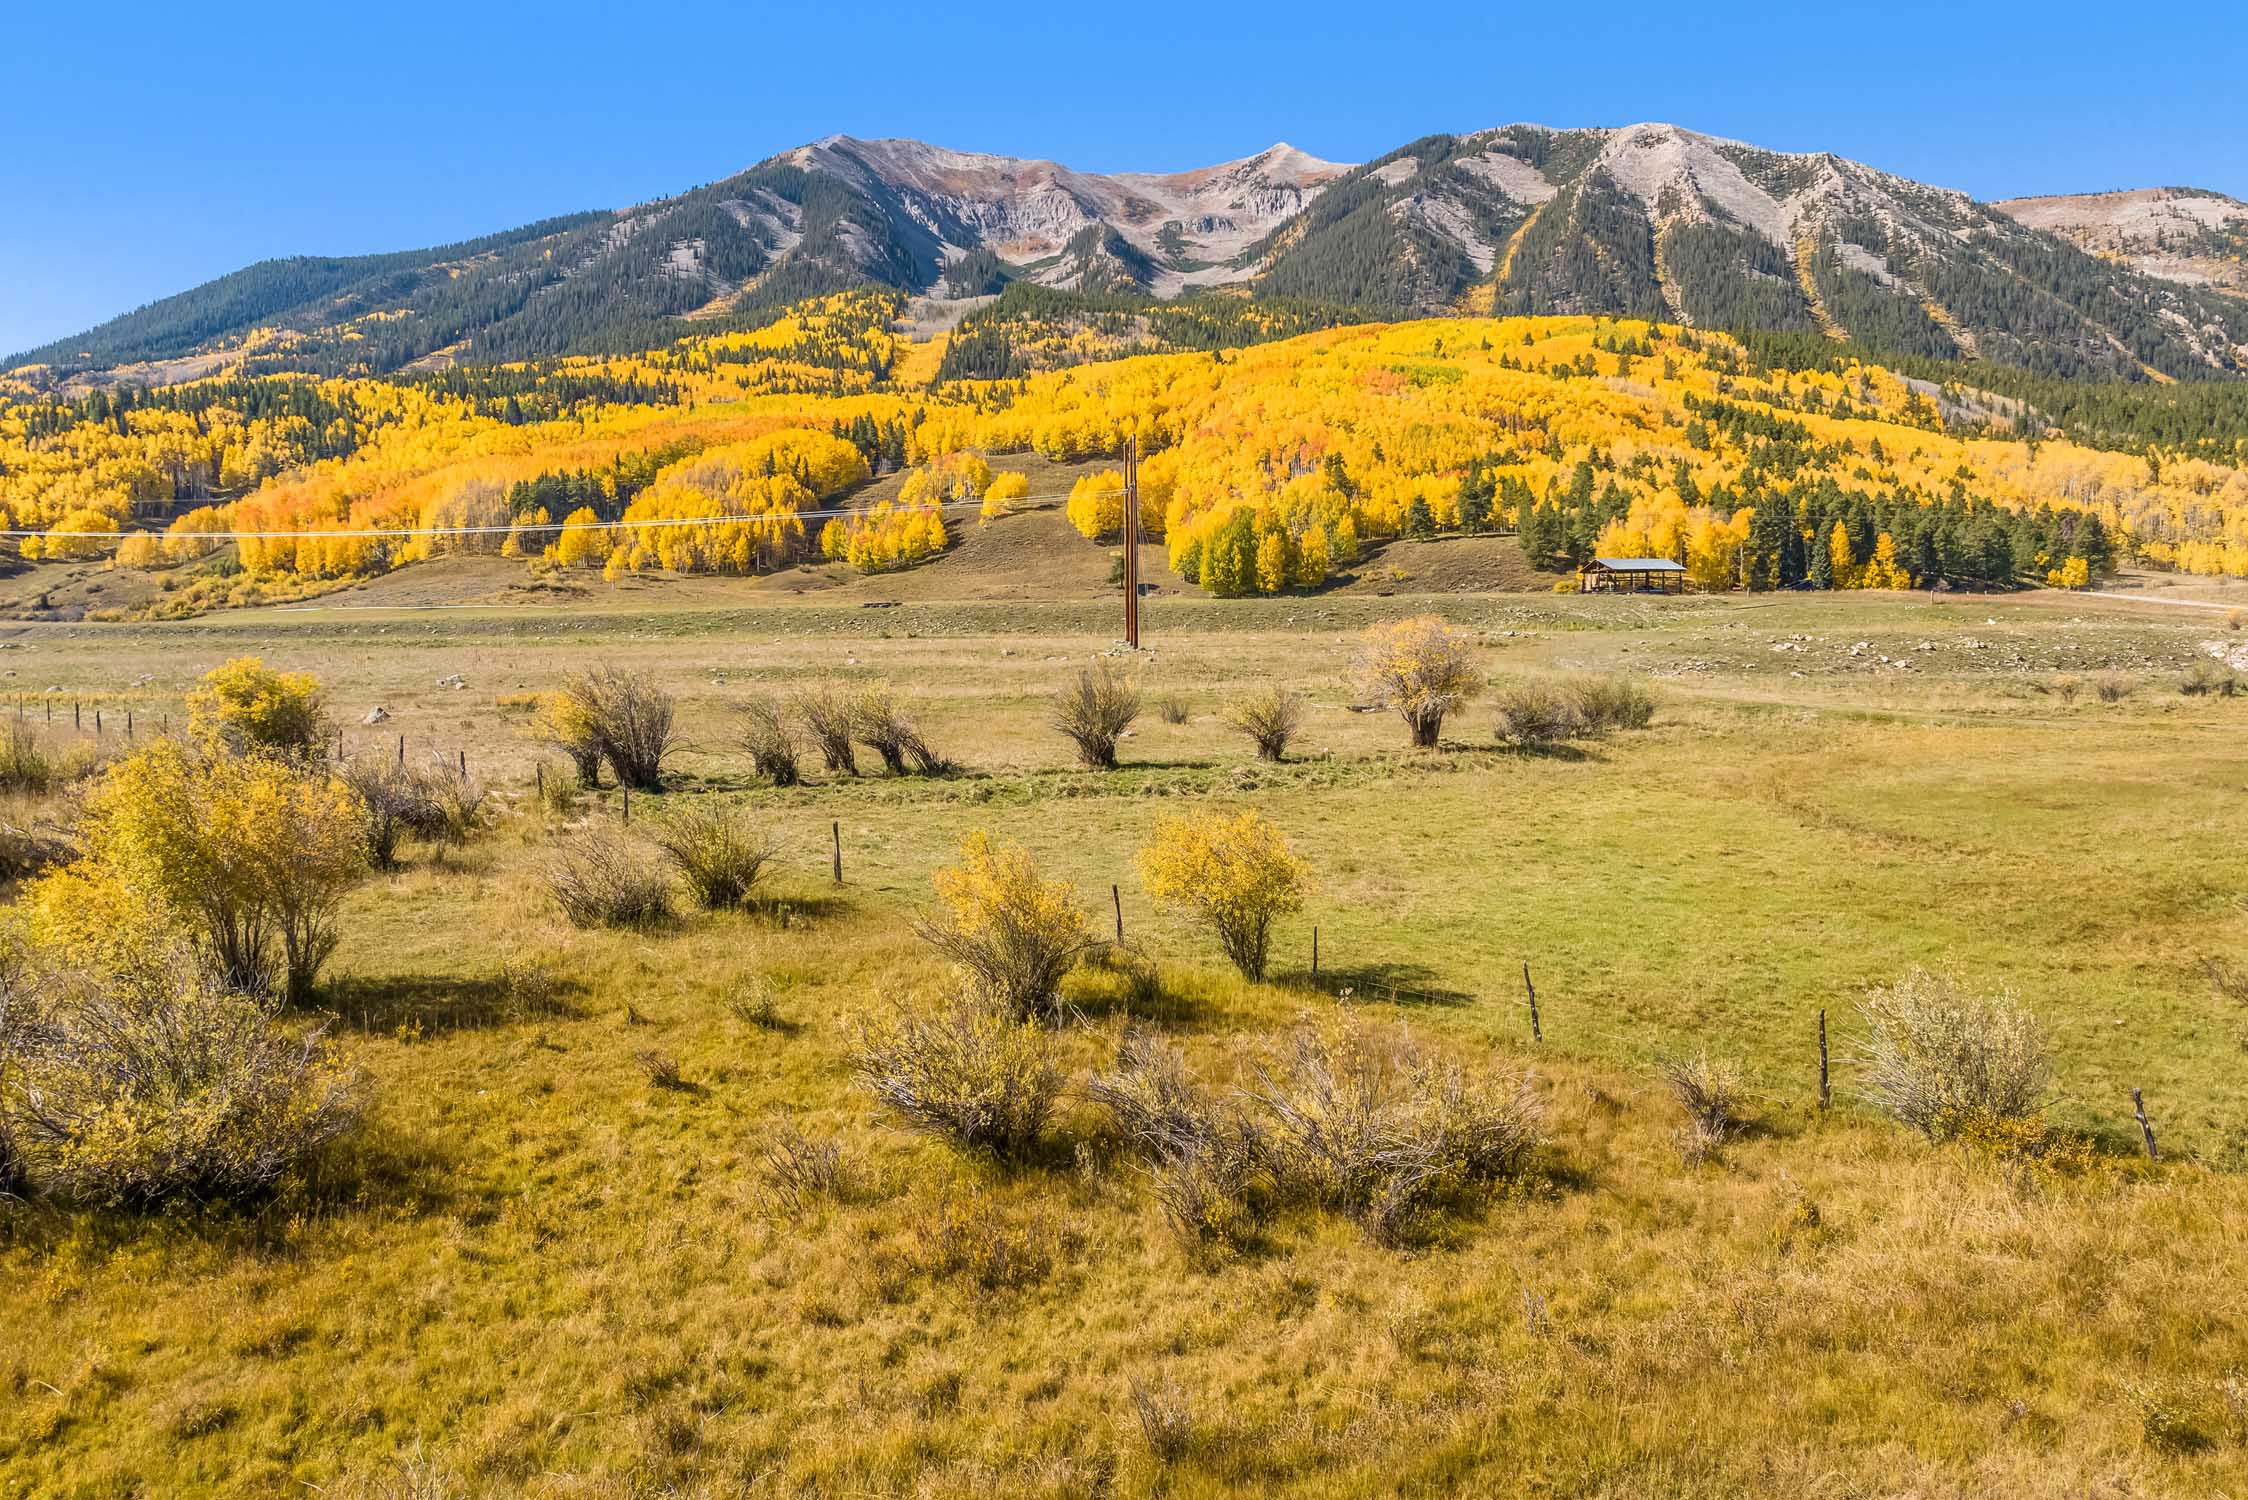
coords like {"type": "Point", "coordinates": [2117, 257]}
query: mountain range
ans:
{"type": "Point", "coordinates": [1647, 220]}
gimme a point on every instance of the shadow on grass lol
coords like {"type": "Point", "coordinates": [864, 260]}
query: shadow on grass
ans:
{"type": "Point", "coordinates": [435, 1004]}
{"type": "Point", "coordinates": [1386, 983]}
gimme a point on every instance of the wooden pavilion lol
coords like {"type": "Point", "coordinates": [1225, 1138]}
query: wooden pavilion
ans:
{"type": "Point", "coordinates": [1631, 575]}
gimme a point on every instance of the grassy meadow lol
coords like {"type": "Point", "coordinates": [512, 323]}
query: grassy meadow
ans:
{"type": "Point", "coordinates": [542, 1271]}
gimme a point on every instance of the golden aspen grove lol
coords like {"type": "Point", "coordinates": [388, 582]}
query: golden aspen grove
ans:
{"type": "Point", "coordinates": [1267, 468]}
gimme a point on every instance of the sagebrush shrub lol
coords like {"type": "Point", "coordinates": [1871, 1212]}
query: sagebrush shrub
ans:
{"type": "Point", "coordinates": [770, 742]}
{"type": "Point", "coordinates": [1535, 715]}
{"type": "Point", "coordinates": [718, 852]}
{"type": "Point", "coordinates": [1094, 711]}
{"type": "Point", "coordinates": [964, 1070]}
{"type": "Point", "coordinates": [602, 878]}
{"type": "Point", "coordinates": [1712, 1093]}
{"type": "Point", "coordinates": [1208, 1160]}
{"type": "Point", "coordinates": [1944, 1059]}
{"type": "Point", "coordinates": [1270, 718]}
{"type": "Point", "coordinates": [391, 802]}
{"type": "Point", "coordinates": [2112, 687]}
{"type": "Point", "coordinates": [1012, 934]}
{"type": "Point", "coordinates": [28, 768]}
{"type": "Point", "coordinates": [1365, 1123]}
{"type": "Point", "coordinates": [2209, 678]}
{"type": "Point", "coordinates": [1613, 702]}
{"type": "Point", "coordinates": [800, 1170]}
{"type": "Point", "coordinates": [1172, 709]}
{"type": "Point", "coordinates": [162, 1083]}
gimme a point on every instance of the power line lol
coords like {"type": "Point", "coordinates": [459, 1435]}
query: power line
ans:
{"type": "Point", "coordinates": [540, 527]}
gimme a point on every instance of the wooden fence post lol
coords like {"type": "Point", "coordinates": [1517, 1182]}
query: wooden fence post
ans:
{"type": "Point", "coordinates": [625, 789]}
{"type": "Point", "coordinates": [97, 723]}
{"type": "Point", "coordinates": [1823, 1087]}
{"type": "Point", "coordinates": [1537, 1030]}
{"type": "Point", "coordinates": [540, 769]}
{"type": "Point", "coordinates": [464, 765]}
{"type": "Point", "coordinates": [835, 829]}
{"type": "Point", "coordinates": [1117, 897]}
{"type": "Point", "coordinates": [2139, 1108]}
{"type": "Point", "coordinates": [401, 749]}
{"type": "Point", "coordinates": [128, 723]}
{"type": "Point", "coordinates": [1315, 953]}
{"type": "Point", "coordinates": [75, 721]}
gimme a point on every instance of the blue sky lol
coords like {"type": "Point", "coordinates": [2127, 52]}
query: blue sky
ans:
{"type": "Point", "coordinates": [151, 147]}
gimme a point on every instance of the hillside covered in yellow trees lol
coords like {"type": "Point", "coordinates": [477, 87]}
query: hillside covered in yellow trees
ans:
{"type": "Point", "coordinates": [1266, 468]}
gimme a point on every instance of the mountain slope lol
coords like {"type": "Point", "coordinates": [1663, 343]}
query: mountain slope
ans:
{"type": "Point", "coordinates": [1660, 222]}
{"type": "Point", "coordinates": [2178, 234]}
{"type": "Point", "coordinates": [1648, 220]}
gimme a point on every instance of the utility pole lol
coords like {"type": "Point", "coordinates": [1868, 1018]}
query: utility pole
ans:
{"type": "Point", "coordinates": [1132, 542]}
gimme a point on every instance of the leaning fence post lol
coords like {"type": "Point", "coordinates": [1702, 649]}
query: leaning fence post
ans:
{"type": "Point", "coordinates": [1537, 1032]}
{"type": "Point", "coordinates": [1117, 897]}
{"type": "Point", "coordinates": [835, 829]}
{"type": "Point", "coordinates": [1823, 1088]}
{"type": "Point", "coordinates": [464, 765]}
{"type": "Point", "coordinates": [2146, 1130]}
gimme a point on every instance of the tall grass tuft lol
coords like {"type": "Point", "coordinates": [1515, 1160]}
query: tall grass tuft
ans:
{"type": "Point", "coordinates": [827, 717]}
{"type": "Point", "coordinates": [770, 742]}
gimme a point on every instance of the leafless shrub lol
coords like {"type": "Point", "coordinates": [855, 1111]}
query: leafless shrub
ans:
{"type": "Point", "coordinates": [1943, 1059]}
{"type": "Point", "coordinates": [1095, 711]}
{"type": "Point", "coordinates": [1171, 709]}
{"type": "Point", "coordinates": [1366, 1124]}
{"type": "Point", "coordinates": [627, 717]}
{"type": "Point", "coordinates": [716, 851]}
{"type": "Point", "coordinates": [879, 725]}
{"type": "Point", "coordinates": [27, 766]}
{"type": "Point", "coordinates": [29, 841]}
{"type": "Point", "coordinates": [800, 1171]}
{"type": "Point", "coordinates": [660, 1068]}
{"type": "Point", "coordinates": [1536, 715]}
{"type": "Point", "coordinates": [1270, 718]}
{"type": "Point", "coordinates": [160, 1083]}
{"type": "Point", "coordinates": [827, 718]}
{"type": "Point", "coordinates": [1166, 1419]}
{"type": "Point", "coordinates": [601, 878]}
{"type": "Point", "coordinates": [1208, 1160]}
{"type": "Point", "coordinates": [770, 742]}
{"type": "Point", "coordinates": [1613, 702]}
{"type": "Point", "coordinates": [2067, 686]}
{"type": "Point", "coordinates": [2227, 981]}
{"type": "Point", "coordinates": [2112, 687]}
{"type": "Point", "coordinates": [965, 1071]}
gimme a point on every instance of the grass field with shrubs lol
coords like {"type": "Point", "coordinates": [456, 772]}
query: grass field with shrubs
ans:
{"type": "Point", "coordinates": [388, 1112]}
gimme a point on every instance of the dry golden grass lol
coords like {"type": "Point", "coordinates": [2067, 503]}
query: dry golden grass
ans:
{"type": "Point", "coordinates": [547, 1271]}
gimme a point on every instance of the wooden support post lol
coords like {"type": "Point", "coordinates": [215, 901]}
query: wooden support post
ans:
{"type": "Point", "coordinates": [401, 749]}
{"type": "Point", "coordinates": [97, 723]}
{"type": "Point", "coordinates": [1824, 1091]}
{"type": "Point", "coordinates": [624, 789]}
{"type": "Point", "coordinates": [75, 721]}
{"type": "Point", "coordinates": [1132, 543]}
{"type": "Point", "coordinates": [2146, 1130]}
{"type": "Point", "coordinates": [835, 830]}
{"type": "Point", "coordinates": [1537, 1029]}
{"type": "Point", "coordinates": [50, 710]}
{"type": "Point", "coordinates": [1117, 897]}
{"type": "Point", "coordinates": [128, 723]}
{"type": "Point", "coordinates": [464, 765]}
{"type": "Point", "coordinates": [1315, 954]}
{"type": "Point", "coordinates": [540, 770]}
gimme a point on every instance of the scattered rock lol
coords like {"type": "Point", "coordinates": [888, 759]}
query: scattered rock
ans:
{"type": "Point", "coordinates": [376, 715]}
{"type": "Point", "coordinates": [455, 681]}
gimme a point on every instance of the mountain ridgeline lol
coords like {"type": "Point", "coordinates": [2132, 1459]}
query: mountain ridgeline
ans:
{"type": "Point", "coordinates": [1647, 221]}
